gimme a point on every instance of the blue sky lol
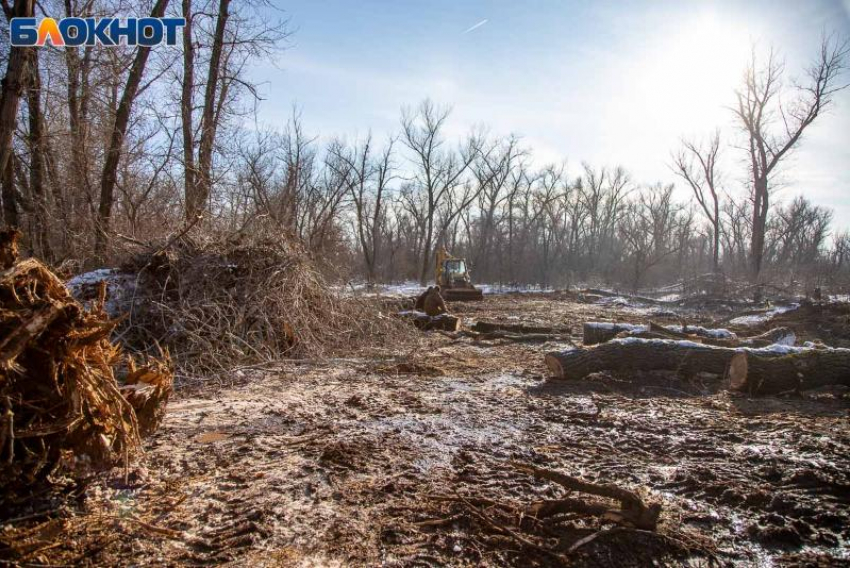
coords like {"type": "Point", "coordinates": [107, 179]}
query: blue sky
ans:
{"type": "Point", "coordinates": [610, 83]}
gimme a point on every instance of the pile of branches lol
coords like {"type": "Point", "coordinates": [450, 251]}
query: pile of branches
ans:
{"type": "Point", "coordinates": [61, 404]}
{"type": "Point", "coordinates": [218, 301]}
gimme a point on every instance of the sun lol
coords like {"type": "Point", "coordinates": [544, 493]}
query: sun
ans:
{"type": "Point", "coordinates": [690, 76]}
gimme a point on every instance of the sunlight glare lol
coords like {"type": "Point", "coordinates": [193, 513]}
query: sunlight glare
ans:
{"type": "Point", "coordinates": [690, 77]}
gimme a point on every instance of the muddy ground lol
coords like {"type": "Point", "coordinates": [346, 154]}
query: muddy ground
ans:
{"type": "Point", "coordinates": [404, 458]}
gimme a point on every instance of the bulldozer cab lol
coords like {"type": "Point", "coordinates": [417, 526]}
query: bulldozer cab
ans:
{"type": "Point", "coordinates": [453, 277]}
{"type": "Point", "coordinates": [454, 270]}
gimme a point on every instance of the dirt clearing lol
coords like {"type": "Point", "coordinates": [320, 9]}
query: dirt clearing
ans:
{"type": "Point", "coordinates": [406, 460]}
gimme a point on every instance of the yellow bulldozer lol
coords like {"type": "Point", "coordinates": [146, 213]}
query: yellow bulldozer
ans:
{"type": "Point", "coordinates": [452, 276]}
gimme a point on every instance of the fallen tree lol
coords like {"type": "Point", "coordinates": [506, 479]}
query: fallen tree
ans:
{"type": "Point", "coordinates": [768, 370]}
{"type": "Point", "coordinates": [798, 369]}
{"type": "Point", "coordinates": [519, 328]}
{"type": "Point", "coordinates": [635, 354]}
{"type": "Point", "coordinates": [600, 332]}
{"type": "Point", "coordinates": [62, 405]}
{"type": "Point", "coordinates": [424, 322]}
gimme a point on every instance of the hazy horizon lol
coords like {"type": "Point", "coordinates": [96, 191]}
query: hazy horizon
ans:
{"type": "Point", "coordinates": [608, 83]}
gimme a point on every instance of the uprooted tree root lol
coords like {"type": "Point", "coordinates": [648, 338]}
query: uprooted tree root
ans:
{"type": "Point", "coordinates": [581, 528]}
{"type": "Point", "coordinates": [219, 301]}
{"type": "Point", "coordinates": [61, 403]}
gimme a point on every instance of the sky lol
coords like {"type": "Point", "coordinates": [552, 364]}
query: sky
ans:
{"type": "Point", "coordinates": [604, 82]}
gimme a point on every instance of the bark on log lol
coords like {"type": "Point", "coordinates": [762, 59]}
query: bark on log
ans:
{"type": "Point", "coordinates": [780, 335]}
{"type": "Point", "coordinates": [519, 328]}
{"type": "Point", "coordinates": [634, 354]}
{"type": "Point", "coordinates": [600, 332]}
{"type": "Point", "coordinates": [594, 333]}
{"type": "Point", "coordinates": [443, 322]}
{"type": "Point", "coordinates": [759, 374]}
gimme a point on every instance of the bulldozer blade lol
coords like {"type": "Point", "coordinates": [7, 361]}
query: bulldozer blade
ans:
{"type": "Point", "coordinates": [462, 294]}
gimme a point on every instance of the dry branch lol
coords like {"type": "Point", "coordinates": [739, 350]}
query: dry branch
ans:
{"type": "Point", "coordinates": [633, 512]}
{"type": "Point", "coordinates": [219, 301]}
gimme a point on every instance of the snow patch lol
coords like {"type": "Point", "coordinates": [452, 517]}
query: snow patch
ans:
{"type": "Point", "coordinates": [120, 287]}
{"type": "Point", "coordinates": [757, 319]}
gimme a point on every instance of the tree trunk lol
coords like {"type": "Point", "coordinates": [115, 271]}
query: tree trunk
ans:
{"type": "Point", "coordinates": [760, 207]}
{"type": "Point", "coordinates": [633, 354]}
{"type": "Point", "coordinates": [186, 108]}
{"type": "Point", "coordinates": [594, 332]}
{"type": "Point", "coordinates": [77, 117]}
{"type": "Point", "coordinates": [10, 199]}
{"type": "Point", "coordinates": [762, 374]}
{"type": "Point", "coordinates": [13, 86]}
{"type": "Point", "coordinates": [209, 123]}
{"type": "Point", "coordinates": [116, 141]}
{"type": "Point", "coordinates": [422, 321]}
{"type": "Point", "coordinates": [488, 327]}
{"type": "Point", "coordinates": [600, 332]}
{"type": "Point", "coordinates": [37, 152]}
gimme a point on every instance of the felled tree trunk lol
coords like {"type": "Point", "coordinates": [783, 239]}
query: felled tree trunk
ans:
{"type": "Point", "coordinates": [764, 373]}
{"type": "Point", "coordinates": [634, 354]}
{"type": "Point", "coordinates": [423, 321]}
{"type": "Point", "coordinates": [599, 332]}
{"type": "Point", "coordinates": [780, 335]}
{"type": "Point", "coordinates": [519, 328]}
{"type": "Point", "coordinates": [594, 332]}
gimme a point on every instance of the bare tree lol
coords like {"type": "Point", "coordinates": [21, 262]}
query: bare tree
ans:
{"type": "Point", "coordinates": [697, 165]}
{"type": "Point", "coordinates": [773, 127]}
{"type": "Point", "coordinates": [13, 83]}
{"type": "Point", "coordinates": [200, 189]}
{"type": "Point", "coordinates": [648, 231]}
{"type": "Point", "coordinates": [187, 106]}
{"type": "Point", "coordinates": [439, 174]}
{"type": "Point", "coordinates": [368, 178]}
{"type": "Point", "coordinates": [119, 130]}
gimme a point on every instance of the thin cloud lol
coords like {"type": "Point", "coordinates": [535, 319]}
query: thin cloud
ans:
{"type": "Point", "coordinates": [476, 26]}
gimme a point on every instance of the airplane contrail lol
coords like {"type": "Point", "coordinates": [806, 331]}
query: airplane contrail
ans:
{"type": "Point", "coordinates": [476, 26]}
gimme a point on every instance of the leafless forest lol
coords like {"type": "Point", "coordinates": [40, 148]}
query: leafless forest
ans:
{"type": "Point", "coordinates": [114, 146]}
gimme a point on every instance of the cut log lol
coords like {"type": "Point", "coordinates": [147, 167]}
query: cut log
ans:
{"type": "Point", "coordinates": [721, 337]}
{"type": "Point", "coordinates": [757, 371]}
{"type": "Point", "coordinates": [762, 372]}
{"type": "Point", "coordinates": [595, 332]}
{"type": "Point", "coordinates": [600, 332]}
{"type": "Point", "coordinates": [634, 354]}
{"type": "Point", "coordinates": [423, 321]}
{"type": "Point", "coordinates": [519, 328]}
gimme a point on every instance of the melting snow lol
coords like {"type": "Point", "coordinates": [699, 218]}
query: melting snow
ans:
{"type": "Point", "coordinates": [757, 319]}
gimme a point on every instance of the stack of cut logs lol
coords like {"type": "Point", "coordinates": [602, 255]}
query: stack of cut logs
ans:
{"type": "Point", "coordinates": [763, 364]}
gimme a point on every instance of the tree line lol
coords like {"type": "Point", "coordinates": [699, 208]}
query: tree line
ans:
{"type": "Point", "coordinates": [104, 147]}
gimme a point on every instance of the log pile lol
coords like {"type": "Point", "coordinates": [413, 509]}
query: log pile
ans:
{"type": "Point", "coordinates": [60, 403]}
{"type": "Point", "coordinates": [595, 333]}
{"type": "Point", "coordinates": [757, 371]}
